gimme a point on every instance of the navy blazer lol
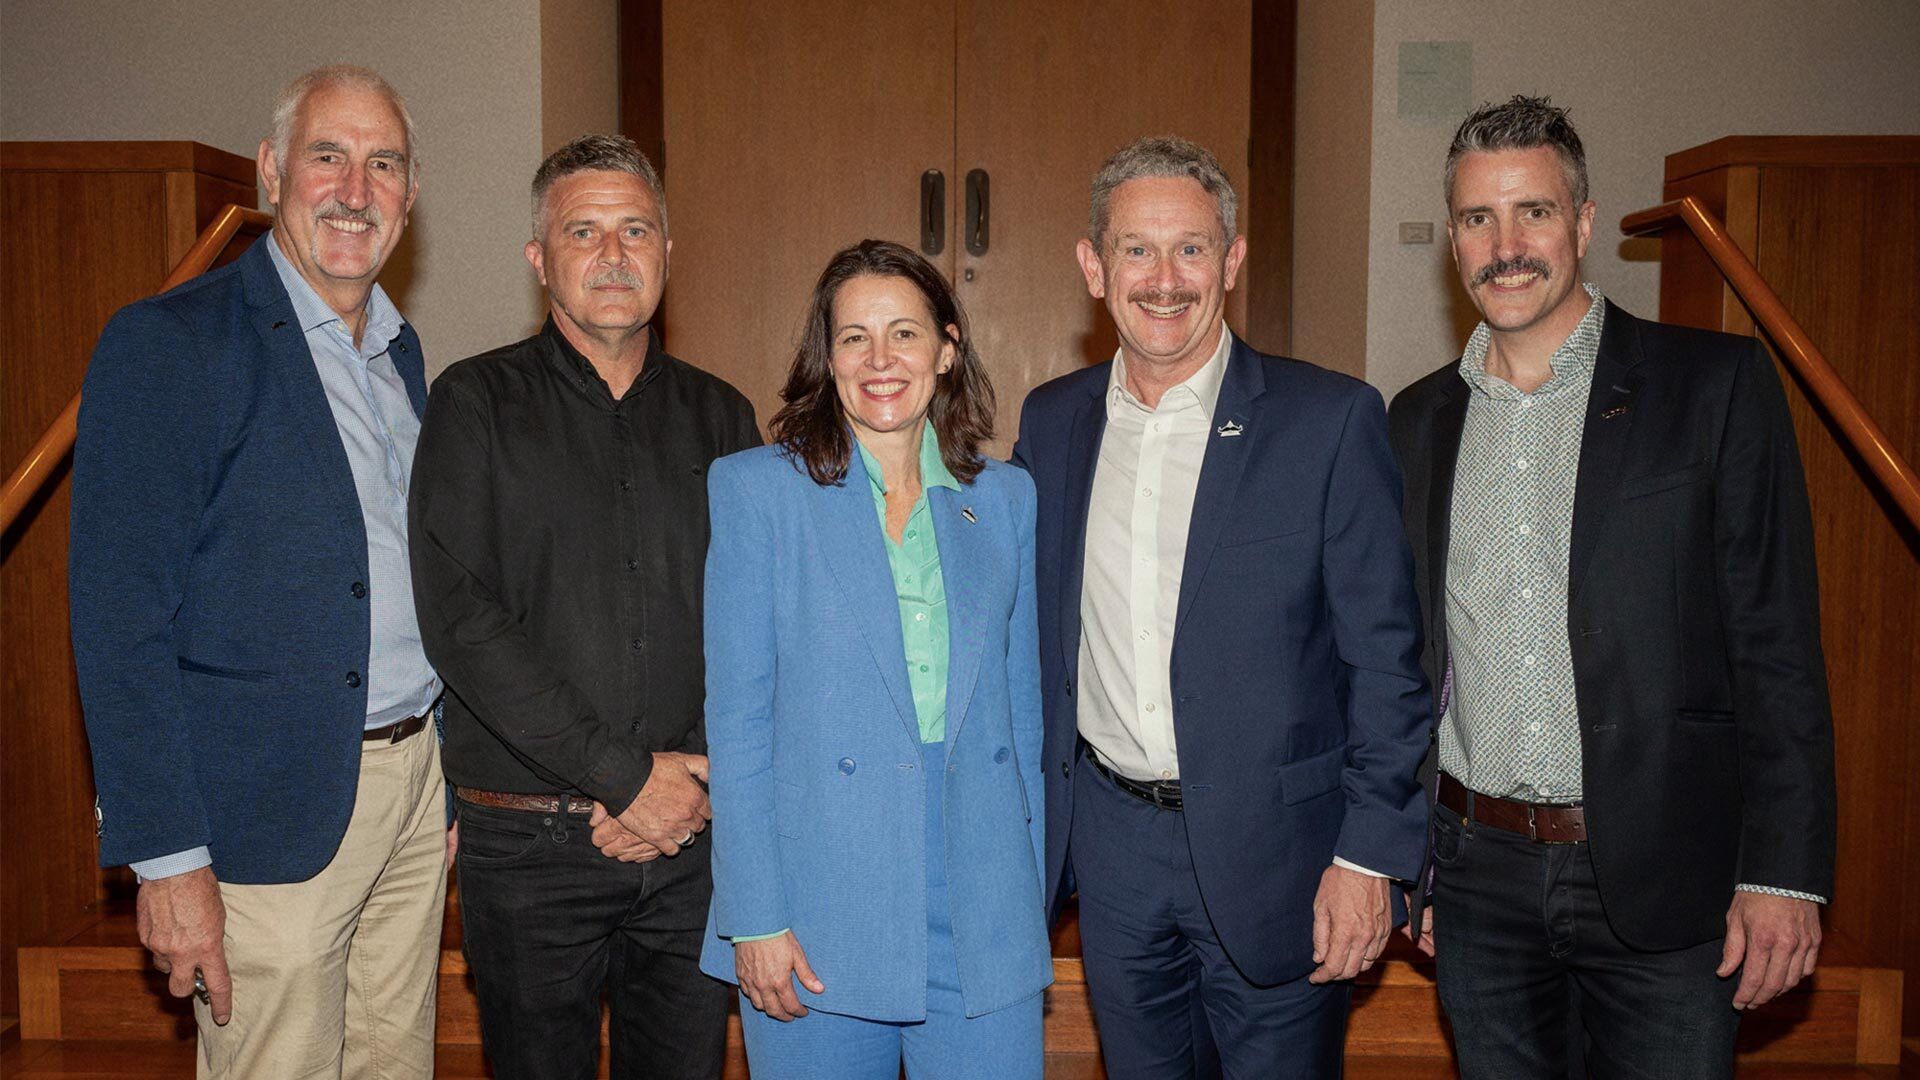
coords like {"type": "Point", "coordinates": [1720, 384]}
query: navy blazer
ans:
{"type": "Point", "coordinates": [219, 636]}
{"type": "Point", "coordinates": [1300, 711]}
{"type": "Point", "coordinates": [814, 746]}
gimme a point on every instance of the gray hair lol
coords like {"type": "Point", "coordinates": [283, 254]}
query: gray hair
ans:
{"type": "Point", "coordinates": [589, 153]}
{"type": "Point", "coordinates": [1521, 123]}
{"type": "Point", "coordinates": [286, 108]}
{"type": "Point", "coordinates": [1162, 155]}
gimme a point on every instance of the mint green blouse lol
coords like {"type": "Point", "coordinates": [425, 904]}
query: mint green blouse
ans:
{"type": "Point", "coordinates": [915, 562]}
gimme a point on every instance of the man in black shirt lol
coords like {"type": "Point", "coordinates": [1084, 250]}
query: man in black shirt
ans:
{"type": "Point", "coordinates": [559, 529]}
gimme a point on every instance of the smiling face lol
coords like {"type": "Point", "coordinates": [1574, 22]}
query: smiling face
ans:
{"type": "Point", "coordinates": [603, 253]}
{"type": "Point", "coordinates": [1518, 240]}
{"type": "Point", "coordinates": [343, 193]}
{"type": "Point", "coordinates": [1164, 271]}
{"type": "Point", "coordinates": [887, 355]}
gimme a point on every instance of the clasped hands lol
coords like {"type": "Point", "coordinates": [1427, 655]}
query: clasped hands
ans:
{"type": "Point", "coordinates": [670, 810]}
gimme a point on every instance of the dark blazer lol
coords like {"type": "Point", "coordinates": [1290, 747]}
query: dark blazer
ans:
{"type": "Point", "coordinates": [814, 742]}
{"type": "Point", "coordinates": [1706, 738]}
{"type": "Point", "coordinates": [1299, 708]}
{"type": "Point", "coordinates": [220, 639]}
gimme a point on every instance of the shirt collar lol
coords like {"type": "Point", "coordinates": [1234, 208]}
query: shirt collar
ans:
{"type": "Point", "coordinates": [933, 468]}
{"type": "Point", "coordinates": [1202, 387]}
{"type": "Point", "coordinates": [383, 319]}
{"type": "Point", "coordinates": [583, 369]}
{"type": "Point", "coordinates": [1573, 360]}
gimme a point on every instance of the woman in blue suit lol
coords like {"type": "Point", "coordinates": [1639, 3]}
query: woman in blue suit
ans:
{"type": "Point", "coordinates": [873, 704]}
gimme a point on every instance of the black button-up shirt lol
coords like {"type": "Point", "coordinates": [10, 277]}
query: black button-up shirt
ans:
{"type": "Point", "coordinates": [559, 541]}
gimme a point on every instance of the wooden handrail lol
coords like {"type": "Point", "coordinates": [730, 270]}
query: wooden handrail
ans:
{"type": "Point", "coordinates": [53, 447]}
{"type": "Point", "coordinates": [1823, 384]}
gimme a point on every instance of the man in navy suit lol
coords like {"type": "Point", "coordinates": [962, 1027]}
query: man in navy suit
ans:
{"type": "Point", "coordinates": [1229, 644]}
{"type": "Point", "coordinates": [256, 694]}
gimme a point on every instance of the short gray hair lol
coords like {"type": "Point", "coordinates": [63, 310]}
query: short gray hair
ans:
{"type": "Point", "coordinates": [286, 108]}
{"type": "Point", "coordinates": [1162, 155]}
{"type": "Point", "coordinates": [1521, 123]}
{"type": "Point", "coordinates": [591, 153]}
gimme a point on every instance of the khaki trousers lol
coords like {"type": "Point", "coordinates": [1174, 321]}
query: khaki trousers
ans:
{"type": "Point", "coordinates": [335, 976]}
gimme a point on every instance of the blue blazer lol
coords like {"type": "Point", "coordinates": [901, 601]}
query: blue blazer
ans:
{"type": "Point", "coordinates": [818, 804]}
{"type": "Point", "coordinates": [1300, 710]}
{"type": "Point", "coordinates": [217, 540]}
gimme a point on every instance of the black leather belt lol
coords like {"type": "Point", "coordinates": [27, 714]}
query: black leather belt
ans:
{"type": "Point", "coordinates": [399, 730]}
{"type": "Point", "coordinates": [1164, 794]}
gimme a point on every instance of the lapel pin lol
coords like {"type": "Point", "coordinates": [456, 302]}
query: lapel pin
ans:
{"type": "Point", "coordinates": [1228, 430]}
{"type": "Point", "coordinates": [1617, 410]}
{"type": "Point", "coordinates": [967, 512]}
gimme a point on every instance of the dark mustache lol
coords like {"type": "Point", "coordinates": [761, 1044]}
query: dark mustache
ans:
{"type": "Point", "coordinates": [1501, 267]}
{"type": "Point", "coordinates": [1164, 299]}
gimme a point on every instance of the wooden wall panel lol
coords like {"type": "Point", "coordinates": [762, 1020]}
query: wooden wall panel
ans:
{"type": "Point", "coordinates": [791, 132]}
{"type": "Point", "coordinates": [1834, 227]}
{"type": "Point", "coordinates": [91, 227]}
{"type": "Point", "coordinates": [1042, 102]}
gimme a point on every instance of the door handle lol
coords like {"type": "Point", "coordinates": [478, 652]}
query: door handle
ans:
{"type": "Point", "coordinates": [978, 212]}
{"type": "Point", "coordinates": [933, 212]}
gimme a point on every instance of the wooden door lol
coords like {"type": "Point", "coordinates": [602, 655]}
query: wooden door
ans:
{"type": "Point", "coordinates": [792, 131]}
{"type": "Point", "coordinates": [1046, 93]}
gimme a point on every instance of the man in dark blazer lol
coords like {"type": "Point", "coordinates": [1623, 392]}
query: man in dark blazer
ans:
{"type": "Point", "coordinates": [1229, 649]}
{"type": "Point", "coordinates": [256, 696]}
{"type": "Point", "coordinates": [1616, 560]}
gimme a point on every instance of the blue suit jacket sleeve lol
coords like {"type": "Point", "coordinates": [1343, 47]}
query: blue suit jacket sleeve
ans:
{"type": "Point", "coordinates": [1375, 617]}
{"type": "Point", "coordinates": [740, 649]}
{"type": "Point", "coordinates": [1023, 669]}
{"type": "Point", "coordinates": [142, 471]}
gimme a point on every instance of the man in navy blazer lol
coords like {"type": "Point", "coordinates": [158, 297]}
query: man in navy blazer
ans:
{"type": "Point", "coordinates": [249, 661]}
{"type": "Point", "coordinates": [1229, 644]}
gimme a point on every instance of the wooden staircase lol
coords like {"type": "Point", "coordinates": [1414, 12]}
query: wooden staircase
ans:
{"type": "Point", "coordinates": [94, 1002]}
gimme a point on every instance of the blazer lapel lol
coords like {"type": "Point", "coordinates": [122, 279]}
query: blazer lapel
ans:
{"type": "Point", "coordinates": [1609, 421]}
{"type": "Point", "coordinates": [1449, 421]}
{"type": "Point", "coordinates": [286, 346]}
{"type": "Point", "coordinates": [969, 582]}
{"type": "Point", "coordinates": [855, 552]}
{"type": "Point", "coordinates": [412, 367]}
{"type": "Point", "coordinates": [1083, 448]}
{"type": "Point", "coordinates": [1220, 469]}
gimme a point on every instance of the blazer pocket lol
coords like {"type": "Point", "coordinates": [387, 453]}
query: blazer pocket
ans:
{"type": "Point", "coordinates": [1651, 483]}
{"type": "Point", "coordinates": [218, 672]}
{"type": "Point", "coordinates": [1310, 778]}
{"type": "Point", "coordinates": [1259, 532]}
{"type": "Point", "coordinates": [789, 808]}
{"type": "Point", "coordinates": [1706, 716]}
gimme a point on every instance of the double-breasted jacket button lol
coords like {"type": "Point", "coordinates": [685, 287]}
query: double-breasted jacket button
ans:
{"type": "Point", "coordinates": [847, 766]}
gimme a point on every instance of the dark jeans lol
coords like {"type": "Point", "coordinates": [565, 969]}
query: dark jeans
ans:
{"type": "Point", "coordinates": [548, 922]}
{"type": "Point", "coordinates": [1169, 1002]}
{"type": "Point", "coordinates": [1531, 976]}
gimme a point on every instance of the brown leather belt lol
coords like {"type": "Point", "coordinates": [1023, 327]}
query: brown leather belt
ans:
{"type": "Point", "coordinates": [1543, 823]}
{"type": "Point", "coordinates": [399, 730]}
{"type": "Point", "coordinates": [540, 804]}
{"type": "Point", "coordinates": [1164, 794]}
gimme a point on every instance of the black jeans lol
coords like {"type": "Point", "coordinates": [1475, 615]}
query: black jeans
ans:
{"type": "Point", "coordinates": [1532, 978]}
{"type": "Point", "coordinates": [548, 922]}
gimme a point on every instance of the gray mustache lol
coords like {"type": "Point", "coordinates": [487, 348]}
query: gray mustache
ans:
{"type": "Point", "coordinates": [341, 210]}
{"type": "Point", "coordinates": [614, 276]}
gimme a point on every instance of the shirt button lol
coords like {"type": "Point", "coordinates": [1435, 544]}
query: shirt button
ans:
{"type": "Point", "coordinates": [626, 485]}
{"type": "Point", "coordinates": [633, 564]}
{"type": "Point", "coordinates": [846, 766]}
{"type": "Point", "coordinates": [1526, 594]}
{"type": "Point", "coordinates": [923, 667]}
{"type": "Point", "coordinates": [1166, 774]}
{"type": "Point", "coordinates": [1527, 659]}
{"type": "Point", "coordinates": [634, 727]}
{"type": "Point", "coordinates": [1145, 634]}
{"type": "Point", "coordinates": [1535, 726]}
{"type": "Point", "coordinates": [1149, 706]}
{"type": "Point", "coordinates": [353, 679]}
{"type": "Point", "coordinates": [1526, 403]}
{"type": "Point", "coordinates": [1525, 529]}
{"type": "Point", "coordinates": [1146, 493]}
{"type": "Point", "coordinates": [911, 533]}
{"type": "Point", "coordinates": [637, 644]}
{"type": "Point", "coordinates": [1521, 464]}
{"type": "Point", "coordinates": [919, 616]}
{"type": "Point", "coordinates": [359, 591]}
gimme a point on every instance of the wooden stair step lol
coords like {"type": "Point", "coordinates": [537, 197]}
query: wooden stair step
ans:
{"type": "Point", "coordinates": [1843, 1016]}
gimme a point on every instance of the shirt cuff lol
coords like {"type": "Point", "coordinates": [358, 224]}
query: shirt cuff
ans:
{"type": "Point", "coordinates": [1768, 890]}
{"type": "Point", "coordinates": [741, 938]}
{"type": "Point", "coordinates": [1357, 868]}
{"type": "Point", "coordinates": [173, 865]}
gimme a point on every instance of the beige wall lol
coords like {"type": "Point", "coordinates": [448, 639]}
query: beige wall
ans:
{"type": "Point", "coordinates": [1333, 83]}
{"type": "Point", "coordinates": [1644, 78]}
{"type": "Point", "coordinates": [490, 85]}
